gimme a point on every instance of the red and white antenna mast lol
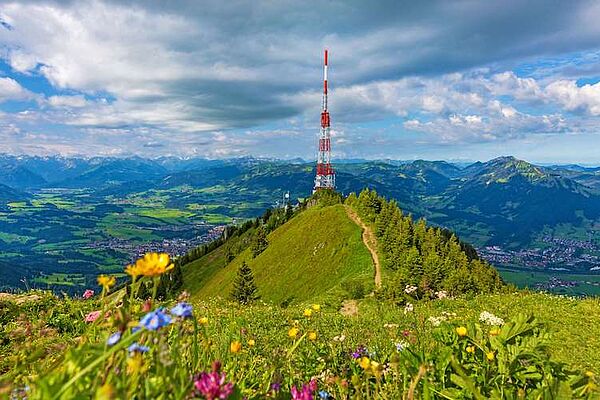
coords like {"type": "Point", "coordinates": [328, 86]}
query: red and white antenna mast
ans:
{"type": "Point", "coordinates": [325, 178]}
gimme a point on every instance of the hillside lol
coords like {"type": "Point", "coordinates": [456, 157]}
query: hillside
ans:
{"type": "Point", "coordinates": [312, 255]}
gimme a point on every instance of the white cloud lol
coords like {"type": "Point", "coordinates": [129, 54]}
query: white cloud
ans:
{"type": "Point", "coordinates": [584, 98]}
{"type": "Point", "coordinates": [11, 90]}
{"type": "Point", "coordinates": [75, 101]}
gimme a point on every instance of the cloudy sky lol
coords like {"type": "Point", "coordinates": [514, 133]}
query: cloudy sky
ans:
{"type": "Point", "coordinates": [454, 80]}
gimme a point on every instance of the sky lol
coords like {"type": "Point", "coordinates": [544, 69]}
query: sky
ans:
{"type": "Point", "coordinates": [453, 80]}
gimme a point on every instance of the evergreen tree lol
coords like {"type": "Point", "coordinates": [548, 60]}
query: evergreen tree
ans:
{"type": "Point", "coordinates": [259, 241]}
{"type": "Point", "coordinates": [244, 287]}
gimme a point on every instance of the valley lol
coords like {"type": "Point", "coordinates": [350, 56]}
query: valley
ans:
{"type": "Point", "coordinates": [64, 220]}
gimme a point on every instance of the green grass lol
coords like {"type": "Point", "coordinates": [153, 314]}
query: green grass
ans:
{"type": "Point", "coordinates": [310, 256]}
{"type": "Point", "coordinates": [14, 238]}
{"type": "Point", "coordinates": [61, 279]}
{"type": "Point", "coordinates": [589, 285]}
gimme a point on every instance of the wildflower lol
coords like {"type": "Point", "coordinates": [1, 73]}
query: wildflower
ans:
{"type": "Point", "coordinates": [183, 310]}
{"type": "Point", "coordinates": [339, 338]}
{"type": "Point", "coordinates": [390, 326]}
{"type": "Point", "coordinates": [293, 332]}
{"type": "Point", "coordinates": [323, 394]}
{"type": "Point", "coordinates": [494, 332]}
{"type": "Point", "coordinates": [251, 342]}
{"type": "Point", "coordinates": [113, 339]}
{"type": "Point", "coordinates": [152, 264]}
{"type": "Point", "coordinates": [471, 349]}
{"type": "Point", "coordinates": [106, 281]}
{"type": "Point", "coordinates": [442, 294]}
{"type": "Point", "coordinates": [375, 368]}
{"type": "Point", "coordinates": [364, 363]}
{"type": "Point", "coordinates": [406, 333]}
{"type": "Point", "coordinates": [304, 393]}
{"type": "Point", "coordinates": [276, 386]}
{"type": "Point", "coordinates": [235, 346]}
{"type": "Point", "coordinates": [436, 321]}
{"type": "Point", "coordinates": [92, 316]}
{"type": "Point", "coordinates": [106, 391]}
{"type": "Point", "coordinates": [589, 374]}
{"type": "Point", "coordinates": [408, 308]}
{"type": "Point", "coordinates": [312, 336]}
{"type": "Point", "coordinates": [213, 385]}
{"type": "Point", "coordinates": [400, 346]}
{"type": "Point", "coordinates": [137, 348]}
{"type": "Point", "coordinates": [461, 331]}
{"type": "Point", "coordinates": [409, 289]}
{"type": "Point", "coordinates": [135, 364]}
{"type": "Point", "coordinates": [155, 320]}
{"type": "Point", "coordinates": [316, 307]}
{"type": "Point", "coordinates": [88, 294]}
{"type": "Point", "coordinates": [490, 319]}
{"type": "Point", "coordinates": [359, 352]}
{"type": "Point", "coordinates": [203, 321]}
{"type": "Point", "coordinates": [308, 313]}
{"type": "Point", "coordinates": [490, 355]}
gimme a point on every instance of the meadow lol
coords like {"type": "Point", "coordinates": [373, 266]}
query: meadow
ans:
{"type": "Point", "coordinates": [510, 345]}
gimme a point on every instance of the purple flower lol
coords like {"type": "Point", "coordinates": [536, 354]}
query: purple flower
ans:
{"type": "Point", "coordinates": [306, 392]}
{"type": "Point", "coordinates": [155, 320]}
{"type": "Point", "coordinates": [213, 386]}
{"type": "Point", "coordinates": [183, 310]}
{"type": "Point", "coordinates": [276, 387]}
{"type": "Point", "coordinates": [137, 347]}
{"type": "Point", "coordinates": [113, 339]}
{"type": "Point", "coordinates": [324, 394]}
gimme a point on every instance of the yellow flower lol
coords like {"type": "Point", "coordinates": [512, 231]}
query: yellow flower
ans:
{"type": "Point", "coordinates": [235, 347]}
{"type": "Point", "coordinates": [589, 374]}
{"type": "Point", "coordinates": [133, 270]}
{"type": "Point", "coordinates": [106, 281]}
{"type": "Point", "coordinates": [375, 367]}
{"type": "Point", "coordinates": [152, 264]}
{"type": "Point", "coordinates": [471, 349]}
{"type": "Point", "coordinates": [364, 363]}
{"type": "Point", "coordinates": [105, 392]}
{"type": "Point", "coordinates": [494, 332]}
{"type": "Point", "coordinates": [293, 332]}
{"type": "Point", "coordinates": [135, 364]}
{"type": "Point", "coordinates": [490, 355]}
{"type": "Point", "coordinates": [251, 342]}
{"type": "Point", "coordinates": [316, 307]}
{"type": "Point", "coordinates": [312, 336]}
{"type": "Point", "coordinates": [461, 331]}
{"type": "Point", "coordinates": [307, 313]}
{"type": "Point", "coordinates": [203, 321]}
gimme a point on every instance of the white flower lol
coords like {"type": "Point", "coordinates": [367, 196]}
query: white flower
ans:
{"type": "Point", "coordinates": [442, 294]}
{"type": "Point", "coordinates": [436, 321]}
{"type": "Point", "coordinates": [339, 338]}
{"type": "Point", "coordinates": [401, 345]}
{"type": "Point", "coordinates": [390, 326]}
{"type": "Point", "coordinates": [490, 319]}
{"type": "Point", "coordinates": [409, 289]}
{"type": "Point", "coordinates": [408, 308]}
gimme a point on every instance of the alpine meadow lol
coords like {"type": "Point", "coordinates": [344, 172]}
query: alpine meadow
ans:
{"type": "Point", "coordinates": [299, 200]}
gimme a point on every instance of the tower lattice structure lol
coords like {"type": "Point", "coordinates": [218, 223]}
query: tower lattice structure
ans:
{"type": "Point", "coordinates": [325, 178]}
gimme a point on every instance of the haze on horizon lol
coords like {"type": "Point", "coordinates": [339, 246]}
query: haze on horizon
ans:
{"type": "Point", "coordinates": [463, 80]}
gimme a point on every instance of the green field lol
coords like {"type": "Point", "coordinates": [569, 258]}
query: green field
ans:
{"type": "Point", "coordinates": [310, 257]}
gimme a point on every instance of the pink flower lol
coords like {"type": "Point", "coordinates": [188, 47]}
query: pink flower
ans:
{"type": "Point", "coordinates": [212, 385]}
{"type": "Point", "coordinates": [91, 317]}
{"type": "Point", "coordinates": [88, 293]}
{"type": "Point", "coordinates": [306, 392]}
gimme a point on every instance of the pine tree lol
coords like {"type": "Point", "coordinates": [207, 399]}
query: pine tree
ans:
{"type": "Point", "coordinates": [244, 287]}
{"type": "Point", "coordinates": [259, 241]}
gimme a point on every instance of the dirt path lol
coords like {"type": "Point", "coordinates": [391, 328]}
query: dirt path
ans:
{"type": "Point", "coordinates": [369, 240]}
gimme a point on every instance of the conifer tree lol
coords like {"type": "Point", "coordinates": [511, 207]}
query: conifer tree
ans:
{"type": "Point", "coordinates": [244, 287]}
{"type": "Point", "coordinates": [259, 241]}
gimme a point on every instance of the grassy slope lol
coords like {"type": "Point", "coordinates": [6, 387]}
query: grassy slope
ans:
{"type": "Point", "coordinates": [307, 257]}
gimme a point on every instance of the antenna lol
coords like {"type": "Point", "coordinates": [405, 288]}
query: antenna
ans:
{"type": "Point", "coordinates": [325, 178]}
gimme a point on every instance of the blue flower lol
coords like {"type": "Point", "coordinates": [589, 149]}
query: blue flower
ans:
{"type": "Point", "coordinates": [137, 347]}
{"type": "Point", "coordinates": [324, 395]}
{"type": "Point", "coordinates": [113, 339]}
{"type": "Point", "coordinates": [182, 309]}
{"type": "Point", "coordinates": [155, 320]}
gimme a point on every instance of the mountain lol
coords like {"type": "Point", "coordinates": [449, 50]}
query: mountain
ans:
{"type": "Point", "coordinates": [313, 255]}
{"type": "Point", "coordinates": [8, 194]}
{"type": "Point", "coordinates": [17, 176]}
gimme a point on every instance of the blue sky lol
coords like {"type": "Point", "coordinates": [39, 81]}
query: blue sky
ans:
{"type": "Point", "coordinates": [460, 80]}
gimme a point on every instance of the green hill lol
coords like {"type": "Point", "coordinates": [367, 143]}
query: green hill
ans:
{"type": "Point", "coordinates": [315, 254]}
